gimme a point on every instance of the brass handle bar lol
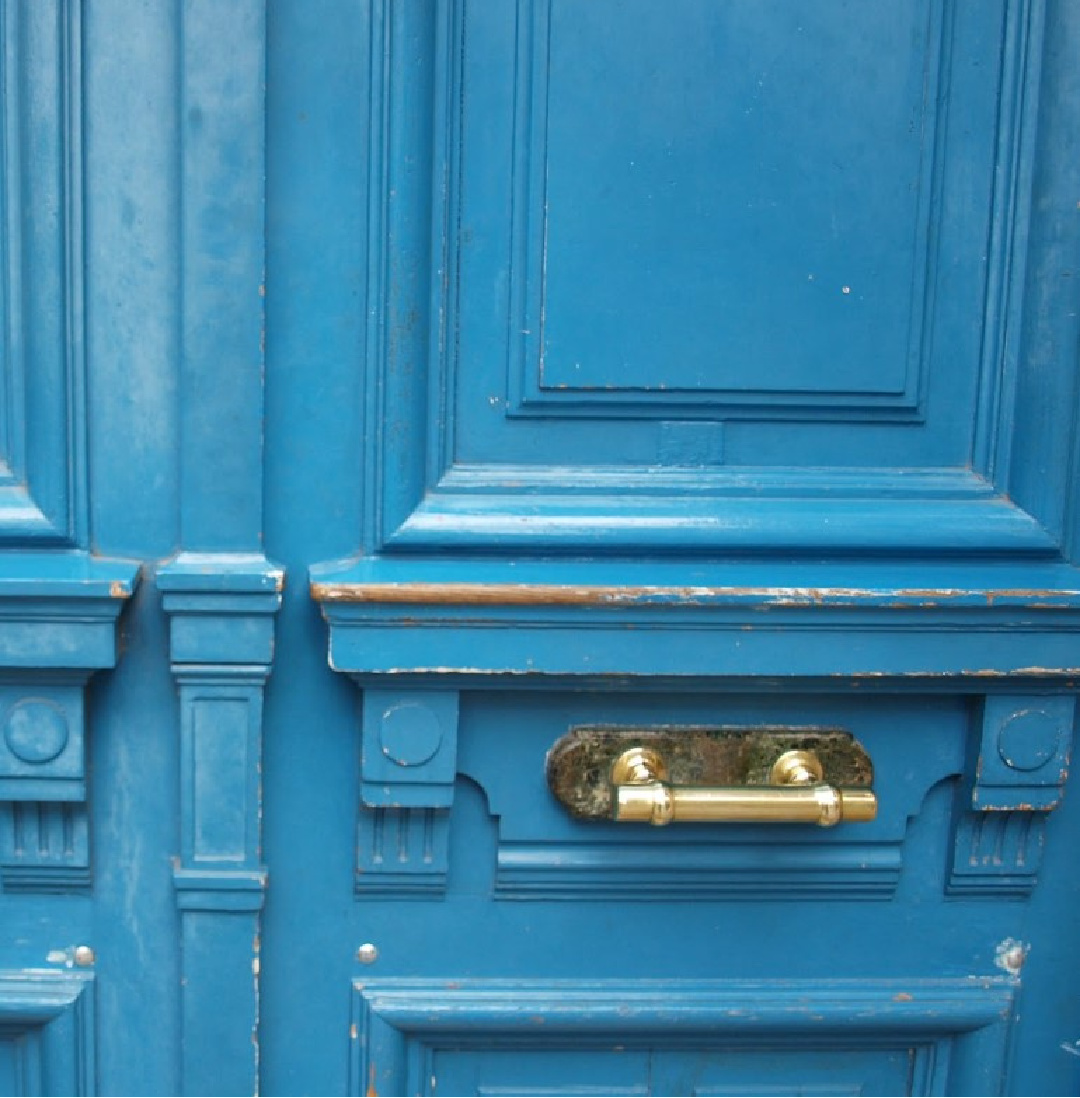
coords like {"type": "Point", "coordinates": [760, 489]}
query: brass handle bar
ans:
{"type": "Point", "coordinates": [797, 795]}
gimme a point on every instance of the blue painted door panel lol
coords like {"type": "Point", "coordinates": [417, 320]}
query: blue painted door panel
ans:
{"type": "Point", "coordinates": [702, 277]}
{"type": "Point", "coordinates": [625, 1072]}
{"type": "Point", "coordinates": [390, 388]}
{"type": "Point", "coordinates": [690, 394]}
{"type": "Point", "coordinates": [714, 208]}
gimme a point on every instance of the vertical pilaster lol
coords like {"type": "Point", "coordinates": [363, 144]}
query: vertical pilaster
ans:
{"type": "Point", "coordinates": [220, 591]}
{"type": "Point", "coordinates": [221, 642]}
{"type": "Point", "coordinates": [222, 270]}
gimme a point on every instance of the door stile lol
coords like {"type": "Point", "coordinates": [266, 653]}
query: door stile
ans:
{"type": "Point", "coordinates": [220, 591]}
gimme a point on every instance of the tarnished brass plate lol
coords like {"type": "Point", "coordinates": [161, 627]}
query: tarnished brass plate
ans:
{"type": "Point", "coordinates": [579, 765]}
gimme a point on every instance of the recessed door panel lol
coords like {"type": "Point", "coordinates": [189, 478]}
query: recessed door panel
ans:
{"type": "Point", "coordinates": [780, 1069]}
{"type": "Point", "coordinates": [524, 1071]}
{"type": "Point", "coordinates": [688, 221]}
{"type": "Point", "coordinates": [627, 1071]}
{"type": "Point", "coordinates": [703, 277]}
{"type": "Point", "coordinates": [706, 1037]}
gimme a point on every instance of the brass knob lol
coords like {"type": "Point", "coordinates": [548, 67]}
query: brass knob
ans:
{"type": "Point", "coordinates": [796, 768]}
{"type": "Point", "coordinates": [639, 765]}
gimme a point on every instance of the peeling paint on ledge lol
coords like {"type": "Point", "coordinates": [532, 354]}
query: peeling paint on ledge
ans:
{"type": "Point", "coordinates": [527, 594]}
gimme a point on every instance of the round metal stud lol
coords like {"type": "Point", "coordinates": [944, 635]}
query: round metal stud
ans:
{"type": "Point", "coordinates": [367, 954]}
{"type": "Point", "coordinates": [796, 768]}
{"type": "Point", "coordinates": [638, 765]}
{"type": "Point", "coordinates": [83, 956]}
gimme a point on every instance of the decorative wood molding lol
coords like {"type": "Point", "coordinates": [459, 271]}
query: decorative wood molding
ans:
{"type": "Point", "coordinates": [534, 388]}
{"type": "Point", "coordinates": [42, 741]}
{"type": "Point", "coordinates": [43, 471]}
{"type": "Point", "coordinates": [462, 618]}
{"type": "Point", "coordinates": [220, 591]}
{"type": "Point", "coordinates": [957, 1029]}
{"type": "Point", "coordinates": [221, 627]}
{"type": "Point", "coordinates": [58, 624]}
{"type": "Point", "coordinates": [1023, 752]}
{"type": "Point", "coordinates": [408, 766]}
{"type": "Point", "coordinates": [58, 608]}
{"type": "Point", "coordinates": [402, 853]}
{"type": "Point", "coordinates": [47, 1018]}
{"type": "Point", "coordinates": [718, 868]}
{"type": "Point", "coordinates": [996, 853]}
{"type": "Point", "coordinates": [221, 623]}
{"type": "Point", "coordinates": [1015, 776]}
{"type": "Point", "coordinates": [423, 495]}
{"type": "Point", "coordinates": [44, 847]}
{"type": "Point", "coordinates": [477, 593]}
{"type": "Point", "coordinates": [408, 748]}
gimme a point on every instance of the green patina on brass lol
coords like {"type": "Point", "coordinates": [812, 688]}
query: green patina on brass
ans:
{"type": "Point", "coordinates": [579, 765]}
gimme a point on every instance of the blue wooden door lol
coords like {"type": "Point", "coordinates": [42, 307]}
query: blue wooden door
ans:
{"type": "Point", "coordinates": [415, 409]}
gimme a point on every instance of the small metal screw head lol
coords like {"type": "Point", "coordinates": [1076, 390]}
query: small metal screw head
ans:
{"type": "Point", "coordinates": [796, 768]}
{"type": "Point", "coordinates": [83, 956]}
{"type": "Point", "coordinates": [367, 954]}
{"type": "Point", "coordinates": [1012, 958]}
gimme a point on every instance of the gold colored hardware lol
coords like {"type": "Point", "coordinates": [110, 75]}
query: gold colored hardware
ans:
{"type": "Point", "coordinates": [796, 768]}
{"type": "Point", "coordinates": [797, 794]}
{"type": "Point", "coordinates": [639, 764]}
{"type": "Point", "coordinates": [580, 765]}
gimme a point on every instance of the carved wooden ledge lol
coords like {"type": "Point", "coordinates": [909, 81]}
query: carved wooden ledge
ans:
{"type": "Point", "coordinates": [58, 625]}
{"type": "Point", "coordinates": [490, 618]}
{"type": "Point", "coordinates": [415, 632]}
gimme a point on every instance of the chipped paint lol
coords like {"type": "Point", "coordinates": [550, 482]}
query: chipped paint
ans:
{"type": "Point", "coordinates": [530, 594]}
{"type": "Point", "coordinates": [1010, 956]}
{"type": "Point", "coordinates": [256, 1051]}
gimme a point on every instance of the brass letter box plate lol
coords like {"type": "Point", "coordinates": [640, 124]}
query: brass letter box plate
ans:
{"type": "Point", "coordinates": [701, 774]}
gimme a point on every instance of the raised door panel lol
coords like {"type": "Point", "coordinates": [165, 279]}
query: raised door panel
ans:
{"type": "Point", "coordinates": [42, 373]}
{"type": "Point", "coordinates": [695, 391]}
{"type": "Point", "coordinates": [59, 600]}
{"type": "Point", "coordinates": [677, 1038]}
{"type": "Point", "coordinates": [712, 277]}
{"type": "Point", "coordinates": [47, 1034]}
{"type": "Point", "coordinates": [621, 1071]}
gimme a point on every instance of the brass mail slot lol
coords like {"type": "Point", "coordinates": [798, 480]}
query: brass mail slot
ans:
{"type": "Point", "coordinates": [713, 775]}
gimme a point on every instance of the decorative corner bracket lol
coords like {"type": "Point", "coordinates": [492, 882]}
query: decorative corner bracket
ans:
{"type": "Point", "coordinates": [58, 625]}
{"type": "Point", "coordinates": [221, 631]}
{"type": "Point", "coordinates": [1023, 756]}
{"type": "Point", "coordinates": [409, 748]}
{"type": "Point", "coordinates": [407, 771]}
{"type": "Point", "coordinates": [1016, 775]}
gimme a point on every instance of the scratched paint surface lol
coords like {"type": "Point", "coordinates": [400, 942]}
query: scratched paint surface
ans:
{"type": "Point", "coordinates": [552, 369]}
{"type": "Point", "coordinates": [584, 483]}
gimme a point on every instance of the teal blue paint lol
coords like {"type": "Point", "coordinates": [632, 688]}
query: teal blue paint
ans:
{"type": "Point", "coordinates": [734, 344]}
